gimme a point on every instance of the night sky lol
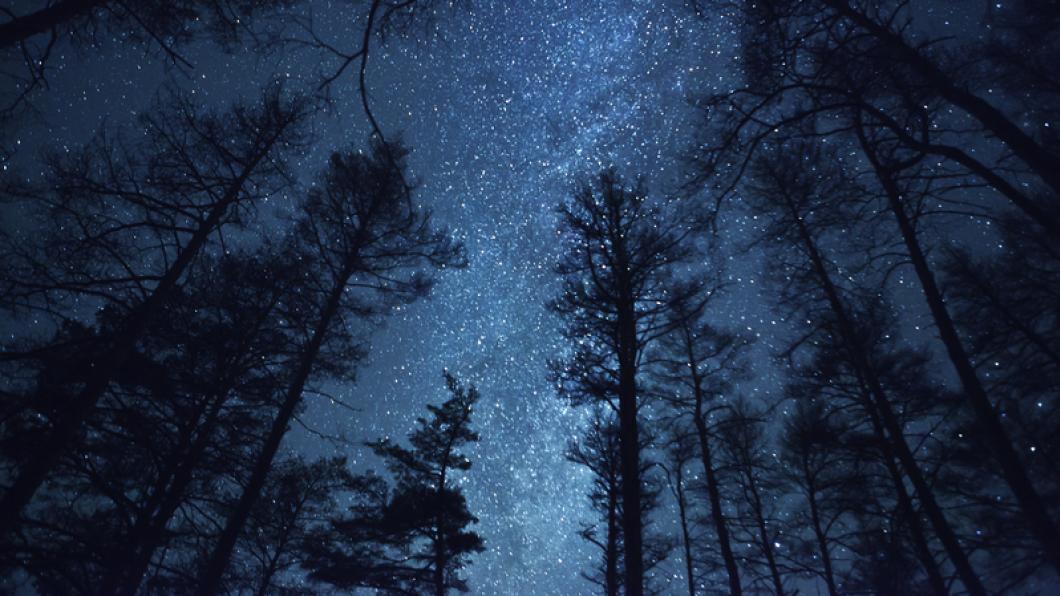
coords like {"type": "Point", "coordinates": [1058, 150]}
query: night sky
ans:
{"type": "Point", "coordinates": [505, 105]}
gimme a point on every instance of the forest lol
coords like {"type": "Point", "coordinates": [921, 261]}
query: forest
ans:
{"type": "Point", "coordinates": [545, 297]}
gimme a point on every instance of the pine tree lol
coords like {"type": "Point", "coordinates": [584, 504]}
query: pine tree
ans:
{"type": "Point", "coordinates": [414, 536]}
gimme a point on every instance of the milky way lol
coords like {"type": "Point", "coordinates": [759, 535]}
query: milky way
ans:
{"type": "Point", "coordinates": [505, 107]}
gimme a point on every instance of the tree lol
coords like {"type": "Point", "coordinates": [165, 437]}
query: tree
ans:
{"type": "Point", "coordinates": [599, 452]}
{"type": "Point", "coordinates": [179, 419]}
{"type": "Point", "coordinates": [620, 249]}
{"type": "Point", "coordinates": [413, 537]}
{"type": "Point", "coordinates": [874, 78]}
{"type": "Point", "coordinates": [807, 63]}
{"type": "Point", "coordinates": [888, 166]}
{"type": "Point", "coordinates": [127, 223]}
{"type": "Point", "coordinates": [755, 487]}
{"type": "Point", "coordinates": [816, 469]}
{"type": "Point", "coordinates": [680, 451]}
{"type": "Point", "coordinates": [1004, 306]}
{"type": "Point", "coordinates": [840, 455]}
{"type": "Point", "coordinates": [296, 502]}
{"type": "Point", "coordinates": [363, 247]}
{"type": "Point", "coordinates": [696, 365]}
{"type": "Point", "coordinates": [793, 189]}
{"type": "Point", "coordinates": [229, 341]}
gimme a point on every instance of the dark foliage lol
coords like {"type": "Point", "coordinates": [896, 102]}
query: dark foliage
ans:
{"type": "Point", "coordinates": [413, 536]}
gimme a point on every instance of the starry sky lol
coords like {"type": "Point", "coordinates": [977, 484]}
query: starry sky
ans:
{"type": "Point", "coordinates": [505, 110]}
{"type": "Point", "coordinates": [505, 105]}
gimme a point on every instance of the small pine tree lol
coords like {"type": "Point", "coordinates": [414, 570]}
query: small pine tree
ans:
{"type": "Point", "coordinates": [413, 537]}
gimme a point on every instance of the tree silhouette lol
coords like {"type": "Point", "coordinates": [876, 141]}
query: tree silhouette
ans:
{"type": "Point", "coordinates": [792, 193]}
{"type": "Point", "coordinates": [296, 501]}
{"type": "Point", "coordinates": [413, 537]}
{"type": "Point", "coordinates": [30, 41]}
{"type": "Point", "coordinates": [888, 167]}
{"type": "Point", "coordinates": [191, 174]}
{"type": "Point", "coordinates": [166, 432]}
{"type": "Point", "coordinates": [680, 451]}
{"type": "Point", "coordinates": [599, 452]}
{"type": "Point", "coordinates": [362, 247]}
{"type": "Point", "coordinates": [696, 366]}
{"type": "Point", "coordinates": [620, 249]}
{"type": "Point", "coordinates": [755, 486]}
{"type": "Point", "coordinates": [817, 471]}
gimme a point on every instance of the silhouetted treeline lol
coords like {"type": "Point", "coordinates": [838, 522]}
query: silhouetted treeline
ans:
{"type": "Point", "coordinates": [898, 181]}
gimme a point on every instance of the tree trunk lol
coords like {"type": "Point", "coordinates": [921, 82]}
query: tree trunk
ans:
{"type": "Point", "coordinates": [721, 528]}
{"type": "Point", "coordinates": [713, 490]}
{"type": "Point", "coordinates": [1037, 516]}
{"type": "Point", "coordinates": [21, 28]}
{"type": "Point", "coordinates": [819, 533]}
{"type": "Point", "coordinates": [439, 565]}
{"type": "Point", "coordinates": [628, 428]}
{"type": "Point", "coordinates": [763, 531]}
{"type": "Point", "coordinates": [905, 503]}
{"type": "Point", "coordinates": [149, 527]}
{"type": "Point", "coordinates": [629, 448]}
{"type": "Point", "coordinates": [686, 539]}
{"type": "Point", "coordinates": [210, 579]}
{"type": "Point", "coordinates": [148, 532]}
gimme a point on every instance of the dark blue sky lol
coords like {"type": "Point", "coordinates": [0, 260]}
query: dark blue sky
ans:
{"type": "Point", "coordinates": [516, 103]}
{"type": "Point", "coordinates": [505, 110]}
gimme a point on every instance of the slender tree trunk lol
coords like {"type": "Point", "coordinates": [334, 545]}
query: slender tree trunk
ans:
{"type": "Point", "coordinates": [629, 432]}
{"type": "Point", "coordinates": [905, 503]}
{"type": "Point", "coordinates": [927, 560]}
{"type": "Point", "coordinates": [1037, 516]}
{"type": "Point", "coordinates": [763, 531]}
{"type": "Point", "coordinates": [686, 539]}
{"type": "Point", "coordinates": [149, 531]}
{"type": "Point", "coordinates": [890, 422]}
{"type": "Point", "coordinates": [149, 526]}
{"type": "Point", "coordinates": [57, 14]}
{"type": "Point", "coordinates": [440, 561]}
{"type": "Point", "coordinates": [629, 449]}
{"type": "Point", "coordinates": [127, 564]}
{"type": "Point", "coordinates": [820, 534]}
{"type": "Point", "coordinates": [210, 579]}
{"type": "Point", "coordinates": [439, 565]}
{"type": "Point", "coordinates": [69, 423]}
{"type": "Point", "coordinates": [721, 528]}
{"type": "Point", "coordinates": [713, 491]}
